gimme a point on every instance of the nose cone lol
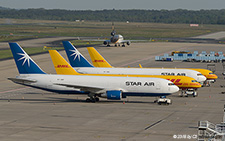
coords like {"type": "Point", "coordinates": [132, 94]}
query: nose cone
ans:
{"type": "Point", "coordinates": [201, 78]}
{"type": "Point", "coordinates": [211, 77]}
{"type": "Point", "coordinates": [174, 89]}
{"type": "Point", "coordinates": [195, 85]}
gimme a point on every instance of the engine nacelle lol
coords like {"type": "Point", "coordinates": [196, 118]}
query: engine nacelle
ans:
{"type": "Point", "coordinates": [113, 33]}
{"type": "Point", "coordinates": [105, 42]}
{"type": "Point", "coordinates": [113, 95]}
{"type": "Point", "coordinates": [128, 43]}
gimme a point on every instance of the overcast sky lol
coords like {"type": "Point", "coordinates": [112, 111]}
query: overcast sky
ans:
{"type": "Point", "coordinates": [116, 4]}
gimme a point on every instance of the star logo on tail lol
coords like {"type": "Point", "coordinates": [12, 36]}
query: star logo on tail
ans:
{"type": "Point", "coordinates": [25, 57]}
{"type": "Point", "coordinates": [76, 54]}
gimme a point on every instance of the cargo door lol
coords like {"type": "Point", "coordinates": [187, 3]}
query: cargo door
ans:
{"type": "Point", "coordinates": [158, 86]}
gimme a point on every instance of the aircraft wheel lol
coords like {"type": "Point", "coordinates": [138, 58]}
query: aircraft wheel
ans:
{"type": "Point", "coordinates": [181, 94]}
{"type": "Point", "coordinates": [88, 100]}
{"type": "Point", "coordinates": [195, 94]}
{"type": "Point", "coordinates": [108, 45]}
{"type": "Point", "coordinates": [96, 99]}
{"type": "Point", "coordinates": [123, 45]}
{"type": "Point", "coordinates": [166, 102]}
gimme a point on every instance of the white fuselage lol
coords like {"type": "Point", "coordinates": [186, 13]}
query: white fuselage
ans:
{"type": "Point", "coordinates": [116, 39]}
{"type": "Point", "coordinates": [129, 85]}
{"type": "Point", "coordinates": [143, 71]}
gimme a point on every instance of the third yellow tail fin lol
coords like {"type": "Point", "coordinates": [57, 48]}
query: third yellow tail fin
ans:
{"type": "Point", "coordinates": [97, 59]}
{"type": "Point", "coordinates": [61, 65]}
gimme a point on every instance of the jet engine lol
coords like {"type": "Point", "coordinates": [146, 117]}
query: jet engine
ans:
{"type": "Point", "coordinates": [113, 33]}
{"type": "Point", "coordinates": [113, 95]}
{"type": "Point", "coordinates": [105, 42]}
{"type": "Point", "coordinates": [128, 43]}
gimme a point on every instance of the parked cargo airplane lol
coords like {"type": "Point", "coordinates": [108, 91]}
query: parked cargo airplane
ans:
{"type": "Point", "coordinates": [111, 87]}
{"type": "Point", "coordinates": [81, 65]}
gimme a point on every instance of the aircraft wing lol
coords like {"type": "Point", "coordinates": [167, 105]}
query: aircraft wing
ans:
{"type": "Point", "coordinates": [95, 39]}
{"type": "Point", "coordinates": [21, 80]}
{"type": "Point", "coordinates": [82, 88]}
{"type": "Point", "coordinates": [125, 41]}
{"type": "Point", "coordinates": [99, 40]}
{"type": "Point", "coordinates": [107, 41]}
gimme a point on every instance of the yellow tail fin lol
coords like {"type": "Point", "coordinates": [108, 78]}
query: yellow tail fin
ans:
{"type": "Point", "coordinates": [97, 59]}
{"type": "Point", "coordinates": [61, 65]}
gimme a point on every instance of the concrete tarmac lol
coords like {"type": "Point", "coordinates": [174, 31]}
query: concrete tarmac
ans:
{"type": "Point", "coordinates": [31, 114]}
{"type": "Point", "coordinates": [216, 35]}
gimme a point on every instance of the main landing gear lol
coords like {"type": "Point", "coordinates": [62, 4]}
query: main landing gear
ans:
{"type": "Point", "coordinates": [92, 98]}
{"type": "Point", "coordinates": [117, 45]}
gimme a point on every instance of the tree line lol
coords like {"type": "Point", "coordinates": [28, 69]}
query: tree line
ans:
{"type": "Point", "coordinates": [155, 16]}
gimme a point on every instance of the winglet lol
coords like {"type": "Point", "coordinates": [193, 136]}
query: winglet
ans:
{"type": "Point", "coordinates": [97, 59]}
{"type": "Point", "coordinates": [75, 57]}
{"type": "Point", "coordinates": [61, 65]}
{"type": "Point", "coordinates": [25, 64]}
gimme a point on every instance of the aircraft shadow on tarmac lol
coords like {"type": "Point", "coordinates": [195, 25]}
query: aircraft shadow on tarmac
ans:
{"type": "Point", "coordinates": [102, 101]}
{"type": "Point", "coordinates": [66, 100]}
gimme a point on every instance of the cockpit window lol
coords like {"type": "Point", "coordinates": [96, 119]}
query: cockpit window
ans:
{"type": "Point", "coordinates": [170, 84]}
{"type": "Point", "coordinates": [199, 74]}
{"type": "Point", "coordinates": [194, 81]}
{"type": "Point", "coordinates": [211, 73]}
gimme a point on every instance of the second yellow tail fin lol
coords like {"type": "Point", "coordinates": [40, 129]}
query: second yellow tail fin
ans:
{"type": "Point", "coordinates": [97, 59]}
{"type": "Point", "coordinates": [61, 65]}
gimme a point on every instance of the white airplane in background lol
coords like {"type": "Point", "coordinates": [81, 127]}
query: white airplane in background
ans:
{"type": "Point", "coordinates": [109, 87]}
{"type": "Point", "coordinates": [116, 39]}
{"type": "Point", "coordinates": [81, 65]}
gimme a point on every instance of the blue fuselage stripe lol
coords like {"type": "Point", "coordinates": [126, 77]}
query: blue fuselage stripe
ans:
{"type": "Point", "coordinates": [145, 94]}
{"type": "Point", "coordinates": [81, 92]}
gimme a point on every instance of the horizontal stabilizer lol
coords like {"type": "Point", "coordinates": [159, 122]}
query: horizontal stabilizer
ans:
{"type": "Point", "coordinates": [21, 80]}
